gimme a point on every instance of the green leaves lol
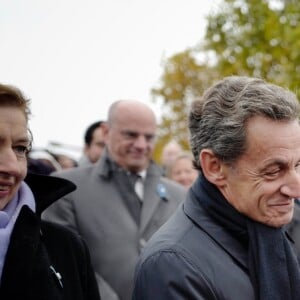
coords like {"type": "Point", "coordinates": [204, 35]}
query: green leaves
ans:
{"type": "Point", "coordinates": [246, 37]}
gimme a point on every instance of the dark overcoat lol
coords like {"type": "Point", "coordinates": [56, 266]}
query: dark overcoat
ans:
{"type": "Point", "coordinates": [45, 261]}
{"type": "Point", "coordinates": [293, 228]}
{"type": "Point", "coordinates": [193, 257]}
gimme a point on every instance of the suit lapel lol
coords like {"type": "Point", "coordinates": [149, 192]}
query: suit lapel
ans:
{"type": "Point", "coordinates": [20, 254]}
{"type": "Point", "coordinates": [27, 262]}
{"type": "Point", "coordinates": [232, 246]}
{"type": "Point", "coordinates": [151, 200]}
{"type": "Point", "coordinates": [130, 198]}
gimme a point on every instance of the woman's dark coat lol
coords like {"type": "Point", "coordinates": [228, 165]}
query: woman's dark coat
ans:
{"type": "Point", "coordinates": [45, 261]}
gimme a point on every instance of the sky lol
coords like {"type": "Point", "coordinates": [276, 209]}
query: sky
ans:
{"type": "Point", "coordinates": [74, 58]}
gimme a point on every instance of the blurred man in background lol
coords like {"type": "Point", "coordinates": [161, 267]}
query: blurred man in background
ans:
{"type": "Point", "coordinates": [93, 144]}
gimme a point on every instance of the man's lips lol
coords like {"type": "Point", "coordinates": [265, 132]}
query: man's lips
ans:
{"type": "Point", "coordinates": [283, 206]}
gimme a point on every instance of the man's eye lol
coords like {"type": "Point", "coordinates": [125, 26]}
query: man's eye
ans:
{"type": "Point", "coordinates": [272, 173]}
{"type": "Point", "coordinates": [149, 137]}
{"type": "Point", "coordinates": [130, 135]}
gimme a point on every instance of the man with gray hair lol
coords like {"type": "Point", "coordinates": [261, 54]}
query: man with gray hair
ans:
{"type": "Point", "coordinates": [227, 241]}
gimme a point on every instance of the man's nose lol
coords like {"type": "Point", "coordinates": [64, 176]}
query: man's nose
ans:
{"type": "Point", "coordinates": [292, 186]}
{"type": "Point", "coordinates": [141, 141]}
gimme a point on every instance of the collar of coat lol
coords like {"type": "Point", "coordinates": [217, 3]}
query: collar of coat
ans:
{"type": "Point", "coordinates": [48, 189]}
{"type": "Point", "coordinates": [194, 210]}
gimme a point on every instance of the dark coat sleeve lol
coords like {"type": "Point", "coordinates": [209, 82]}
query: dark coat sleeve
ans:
{"type": "Point", "coordinates": [70, 257]}
{"type": "Point", "coordinates": [168, 275]}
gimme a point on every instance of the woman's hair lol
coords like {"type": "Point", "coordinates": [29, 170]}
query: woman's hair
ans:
{"type": "Point", "coordinates": [11, 96]}
{"type": "Point", "coordinates": [218, 120]}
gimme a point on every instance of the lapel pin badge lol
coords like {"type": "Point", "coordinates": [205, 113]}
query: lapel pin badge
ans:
{"type": "Point", "coordinates": [162, 192]}
{"type": "Point", "coordinates": [57, 276]}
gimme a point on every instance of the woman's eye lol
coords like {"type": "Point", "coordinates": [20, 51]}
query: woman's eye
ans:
{"type": "Point", "coordinates": [21, 150]}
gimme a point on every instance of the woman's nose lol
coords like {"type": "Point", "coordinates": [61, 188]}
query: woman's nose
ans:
{"type": "Point", "coordinates": [9, 162]}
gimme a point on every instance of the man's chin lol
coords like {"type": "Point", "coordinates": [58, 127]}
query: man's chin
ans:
{"type": "Point", "coordinates": [137, 166]}
{"type": "Point", "coordinates": [278, 222]}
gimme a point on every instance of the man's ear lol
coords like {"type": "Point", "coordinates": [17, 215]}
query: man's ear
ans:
{"type": "Point", "coordinates": [212, 167]}
{"type": "Point", "coordinates": [105, 130]}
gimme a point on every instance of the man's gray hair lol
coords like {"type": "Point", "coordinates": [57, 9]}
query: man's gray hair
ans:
{"type": "Point", "coordinates": [218, 120]}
